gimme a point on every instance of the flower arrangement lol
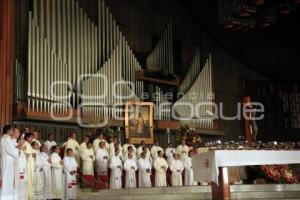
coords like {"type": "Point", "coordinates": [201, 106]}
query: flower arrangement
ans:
{"type": "Point", "coordinates": [187, 133]}
{"type": "Point", "coordinates": [279, 173]}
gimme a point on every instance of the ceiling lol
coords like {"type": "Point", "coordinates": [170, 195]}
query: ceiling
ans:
{"type": "Point", "coordinates": [274, 52]}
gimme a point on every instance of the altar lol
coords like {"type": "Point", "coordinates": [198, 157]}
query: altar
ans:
{"type": "Point", "coordinates": [213, 166]}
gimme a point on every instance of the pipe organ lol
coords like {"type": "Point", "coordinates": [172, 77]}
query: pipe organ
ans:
{"type": "Point", "coordinates": [196, 105]}
{"type": "Point", "coordinates": [163, 105]}
{"type": "Point", "coordinates": [161, 58]}
{"type": "Point", "coordinates": [20, 93]}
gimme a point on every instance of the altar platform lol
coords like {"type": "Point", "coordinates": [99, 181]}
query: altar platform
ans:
{"type": "Point", "coordinates": [244, 192]}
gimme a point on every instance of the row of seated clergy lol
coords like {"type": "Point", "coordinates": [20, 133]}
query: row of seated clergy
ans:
{"type": "Point", "coordinates": [130, 165]}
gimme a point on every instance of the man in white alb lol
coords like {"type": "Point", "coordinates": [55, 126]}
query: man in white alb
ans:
{"type": "Point", "coordinates": [176, 168]}
{"type": "Point", "coordinates": [182, 150]}
{"type": "Point", "coordinates": [115, 166]}
{"type": "Point", "coordinates": [160, 166]}
{"type": "Point", "coordinates": [96, 142]}
{"type": "Point", "coordinates": [130, 168]}
{"type": "Point", "coordinates": [188, 171]}
{"type": "Point", "coordinates": [155, 148]}
{"type": "Point", "coordinates": [169, 153]}
{"type": "Point", "coordinates": [144, 168]}
{"type": "Point", "coordinates": [50, 141]}
{"type": "Point", "coordinates": [102, 160]}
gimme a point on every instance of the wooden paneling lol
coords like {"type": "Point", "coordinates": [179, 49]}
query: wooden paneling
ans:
{"type": "Point", "coordinates": [6, 60]}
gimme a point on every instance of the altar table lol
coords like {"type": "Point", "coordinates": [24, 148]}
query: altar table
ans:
{"type": "Point", "coordinates": [213, 166]}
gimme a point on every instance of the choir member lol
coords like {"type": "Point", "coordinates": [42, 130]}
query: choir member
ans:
{"type": "Point", "coordinates": [35, 136]}
{"type": "Point", "coordinates": [88, 159]}
{"type": "Point", "coordinates": [188, 171]}
{"type": "Point", "coordinates": [46, 165]}
{"type": "Point", "coordinates": [130, 168]}
{"type": "Point", "coordinates": [73, 144]}
{"type": "Point", "coordinates": [97, 141]}
{"type": "Point", "coordinates": [22, 190]}
{"type": "Point", "coordinates": [140, 149]}
{"type": "Point", "coordinates": [125, 148]}
{"type": "Point", "coordinates": [102, 160]}
{"type": "Point", "coordinates": [57, 174]}
{"type": "Point", "coordinates": [176, 168]}
{"type": "Point", "coordinates": [50, 141]}
{"type": "Point", "coordinates": [9, 157]}
{"type": "Point", "coordinates": [38, 173]}
{"type": "Point", "coordinates": [182, 150]}
{"type": "Point", "coordinates": [84, 143]}
{"type": "Point", "coordinates": [70, 171]}
{"type": "Point", "coordinates": [116, 171]}
{"type": "Point", "coordinates": [170, 152]}
{"type": "Point", "coordinates": [112, 146]}
{"type": "Point", "coordinates": [130, 150]}
{"type": "Point", "coordinates": [154, 150]}
{"type": "Point", "coordinates": [30, 155]}
{"type": "Point", "coordinates": [160, 166]}
{"type": "Point", "coordinates": [144, 168]}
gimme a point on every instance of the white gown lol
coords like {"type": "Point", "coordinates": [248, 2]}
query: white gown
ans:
{"type": "Point", "coordinates": [9, 154]}
{"type": "Point", "coordinates": [22, 190]}
{"type": "Point", "coordinates": [144, 176]}
{"type": "Point", "coordinates": [38, 178]}
{"type": "Point", "coordinates": [87, 162]}
{"type": "Point", "coordinates": [176, 178]}
{"type": "Point", "coordinates": [96, 143]}
{"type": "Point", "coordinates": [70, 165]}
{"type": "Point", "coordinates": [30, 170]}
{"type": "Point", "coordinates": [116, 173]}
{"type": "Point", "coordinates": [160, 174]}
{"type": "Point", "coordinates": [183, 151]}
{"type": "Point", "coordinates": [46, 175]}
{"type": "Point", "coordinates": [50, 144]}
{"type": "Point", "coordinates": [169, 153]}
{"type": "Point", "coordinates": [57, 176]}
{"type": "Point", "coordinates": [101, 163]}
{"type": "Point", "coordinates": [130, 178]}
{"type": "Point", "coordinates": [188, 172]}
{"type": "Point", "coordinates": [154, 151]}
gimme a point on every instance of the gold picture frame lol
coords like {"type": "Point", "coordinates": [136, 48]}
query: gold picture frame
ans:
{"type": "Point", "coordinates": [139, 122]}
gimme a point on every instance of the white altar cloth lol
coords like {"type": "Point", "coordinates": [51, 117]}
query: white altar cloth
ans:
{"type": "Point", "coordinates": [206, 165]}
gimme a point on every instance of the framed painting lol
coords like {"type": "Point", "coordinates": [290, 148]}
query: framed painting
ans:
{"type": "Point", "coordinates": [139, 122]}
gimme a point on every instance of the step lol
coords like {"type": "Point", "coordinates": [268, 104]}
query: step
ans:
{"type": "Point", "coordinates": [244, 192]}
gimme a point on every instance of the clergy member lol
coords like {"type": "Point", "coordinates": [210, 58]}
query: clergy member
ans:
{"type": "Point", "coordinates": [96, 142]}
{"type": "Point", "coordinates": [70, 171]}
{"type": "Point", "coordinates": [112, 146]}
{"type": "Point", "coordinates": [22, 190]}
{"type": "Point", "coordinates": [120, 155]}
{"type": "Point", "coordinates": [188, 171]}
{"type": "Point", "coordinates": [116, 171]}
{"type": "Point", "coordinates": [30, 155]}
{"type": "Point", "coordinates": [140, 149]}
{"type": "Point", "coordinates": [38, 173]}
{"type": "Point", "coordinates": [182, 150]}
{"type": "Point", "coordinates": [170, 152]}
{"type": "Point", "coordinates": [130, 151]}
{"type": "Point", "coordinates": [57, 174]}
{"type": "Point", "coordinates": [88, 159]}
{"type": "Point", "coordinates": [9, 154]}
{"type": "Point", "coordinates": [176, 168]}
{"type": "Point", "coordinates": [144, 168]}
{"type": "Point", "coordinates": [82, 147]}
{"type": "Point", "coordinates": [130, 168]}
{"type": "Point", "coordinates": [160, 166]}
{"type": "Point", "coordinates": [125, 148]}
{"type": "Point", "coordinates": [35, 136]}
{"type": "Point", "coordinates": [46, 165]}
{"type": "Point", "coordinates": [50, 141]}
{"type": "Point", "coordinates": [155, 148]}
{"type": "Point", "coordinates": [102, 160]}
{"type": "Point", "coordinates": [73, 144]}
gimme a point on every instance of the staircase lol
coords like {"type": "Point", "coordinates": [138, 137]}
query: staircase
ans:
{"type": "Point", "coordinates": [244, 192]}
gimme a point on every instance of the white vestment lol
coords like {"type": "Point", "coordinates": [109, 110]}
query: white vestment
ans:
{"type": "Point", "coordinates": [57, 176]}
{"type": "Point", "coordinates": [88, 162]}
{"type": "Point", "coordinates": [82, 147]}
{"type": "Point", "coordinates": [30, 170]}
{"type": "Point", "coordinates": [125, 149]}
{"type": "Point", "coordinates": [188, 172]}
{"type": "Point", "coordinates": [169, 153]}
{"type": "Point", "coordinates": [96, 143]}
{"type": "Point", "coordinates": [130, 167]}
{"type": "Point", "coordinates": [38, 178]}
{"type": "Point", "coordinates": [46, 175]}
{"type": "Point", "coordinates": [112, 149]}
{"type": "Point", "coordinates": [154, 151]}
{"type": "Point", "coordinates": [50, 144]}
{"type": "Point", "coordinates": [102, 161]}
{"type": "Point", "coordinates": [160, 174]}
{"type": "Point", "coordinates": [9, 156]}
{"type": "Point", "coordinates": [70, 165]}
{"type": "Point", "coordinates": [22, 190]}
{"type": "Point", "coordinates": [38, 142]}
{"type": "Point", "coordinates": [116, 173]}
{"type": "Point", "coordinates": [144, 176]}
{"type": "Point", "coordinates": [183, 151]}
{"type": "Point", "coordinates": [74, 145]}
{"type": "Point", "coordinates": [176, 168]}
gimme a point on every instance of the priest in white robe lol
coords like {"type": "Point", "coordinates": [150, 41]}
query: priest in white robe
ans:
{"type": "Point", "coordinates": [46, 165]}
{"type": "Point", "coordinates": [125, 147]}
{"type": "Point", "coordinates": [115, 165]}
{"type": "Point", "coordinates": [144, 168]}
{"type": "Point", "coordinates": [57, 174]}
{"type": "Point", "coordinates": [9, 156]}
{"type": "Point", "coordinates": [112, 145]}
{"type": "Point", "coordinates": [30, 155]}
{"type": "Point", "coordinates": [38, 173]}
{"type": "Point", "coordinates": [97, 141]}
{"type": "Point", "coordinates": [176, 168]}
{"type": "Point", "coordinates": [50, 141]}
{"type": "Point", "coordinates": [130, 151]}
{"type": "Point", "coordinates": [130, 168]}
{"type": "Point", "coordinates": [70, 172]}
{"type": "Point", "coordinates": [22, 190]}
{"type": "Point", "coordinates": [183, 150]}
{"type": "Point", "coordinates": [74, 145]}
{"type": "Point", "coordinates": [82, 146]}
{"type": "Point", "coordinates": [170, 152]}
{"type": "Point", "coordinates": [160, 166]}
{"type": "Point", "coordinates": [102, 160]}
{"type": "Point", "coordinates": [188, 171]}
{"type": "Point", "coordinates": [88, 159]}
{"type": "Point", "coordinates": [140, 149]}
{"type": "Point", "coordinates": [155, 148]}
